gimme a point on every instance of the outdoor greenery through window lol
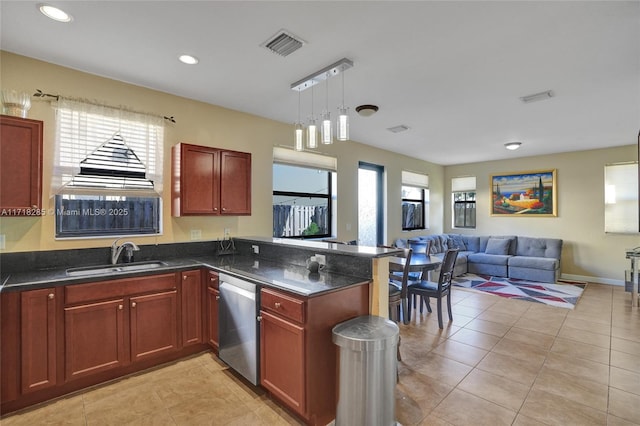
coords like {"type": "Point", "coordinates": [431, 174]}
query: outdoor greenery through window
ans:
{"type": "Point", "coordinates": [415, 201]}
{"type": "Point", "coordinates": [463, 191]}
{"type": "Point", "coordinates": [302, 201]}
{"type": "Point", "coordinates": [107, 177]}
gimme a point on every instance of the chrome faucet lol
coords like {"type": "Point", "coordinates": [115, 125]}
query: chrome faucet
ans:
{"type": "Point", "coordinates": [117, 250]}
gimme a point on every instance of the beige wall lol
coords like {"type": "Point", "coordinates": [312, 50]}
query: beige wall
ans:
{"type": "Point", "coordinates": [203, 124]}
{"type": "Point", "coordinates": [588, 251]}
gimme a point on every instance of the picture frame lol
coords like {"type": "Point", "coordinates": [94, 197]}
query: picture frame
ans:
{"type": "Point", "coordinates": [518, 194]}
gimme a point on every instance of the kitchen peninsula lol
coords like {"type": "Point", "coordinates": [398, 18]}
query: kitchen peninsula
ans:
{"type": "Point", "coordinates": [51, 346]}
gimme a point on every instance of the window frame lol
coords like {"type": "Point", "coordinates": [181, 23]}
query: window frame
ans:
{"type": "Point", "coordinates": [416, 201]}
{"type": "Point", "coordinates": [328, 197]}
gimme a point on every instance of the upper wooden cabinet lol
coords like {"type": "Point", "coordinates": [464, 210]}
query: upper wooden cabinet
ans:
{"type": "Point", "coordinates": [209, 181]}
{"type": "Point", "coordinates": [20, 166]}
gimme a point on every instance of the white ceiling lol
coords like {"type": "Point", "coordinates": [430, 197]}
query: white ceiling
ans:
{"type": "Point", "coordinates": [453, 71]}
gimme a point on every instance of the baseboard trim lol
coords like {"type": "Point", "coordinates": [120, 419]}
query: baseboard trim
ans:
{"type": "Point", "coordinates": [591, 279]}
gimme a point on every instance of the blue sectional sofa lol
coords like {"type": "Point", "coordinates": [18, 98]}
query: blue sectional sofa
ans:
{"type": "Point", "coordinates": [528, 258]}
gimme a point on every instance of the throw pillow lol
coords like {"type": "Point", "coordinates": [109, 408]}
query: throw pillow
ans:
{"type": "Point", "coordinates": [456, 242]}
{"type": "Point", "coordinates": [497, 246]}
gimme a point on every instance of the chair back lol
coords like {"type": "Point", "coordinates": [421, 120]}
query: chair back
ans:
{"type": "Point", "coordinates": [398, 275]}
{"type": "Point", "coordinates": [446, 270]}
{"type": "Point", "coordinates": [420, 246]}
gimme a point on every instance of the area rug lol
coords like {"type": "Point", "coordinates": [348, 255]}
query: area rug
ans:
{"type": "Point", "coordinates": [563, 294]}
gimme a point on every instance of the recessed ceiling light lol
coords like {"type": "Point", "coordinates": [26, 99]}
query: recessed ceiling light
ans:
{"type": "Point", "coordinates": [54, 13]}
{"type": "Point", "coordinates": [367, 110]}
{"type": "Point", "coordinates": [512, 145]}
{"type": "Point", "coordinates": [188, 59]}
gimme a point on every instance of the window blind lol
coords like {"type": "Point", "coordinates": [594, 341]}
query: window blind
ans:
{"type": "Point", "coordinates": [463, 183]}
{"type": "Point", "coordinates": [415, 179]}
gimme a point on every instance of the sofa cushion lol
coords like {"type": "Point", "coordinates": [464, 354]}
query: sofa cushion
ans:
{"type": "Point", "coordinates": [485, 239]}
{"type": "Point", "coordinates": [545, 263]}
{"type": "Point", "coordinates": [497, 246]}
{"type": "Point", "coordinates": [472, 242]}
{"type": "Point", "coordinates": [493, 259]}
{"type": "Point", "coordinates": [539, 247]}
{"type": "Point", "coordinates": [456, 242]}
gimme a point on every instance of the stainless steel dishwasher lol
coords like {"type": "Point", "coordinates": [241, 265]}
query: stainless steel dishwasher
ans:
{"type": "Point", "coordinates": [238, 326]}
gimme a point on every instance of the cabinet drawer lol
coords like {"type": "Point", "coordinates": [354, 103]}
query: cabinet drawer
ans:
{"type": "Point", "coordinates": [118, 288]}
{"type": "Point", "coordinates": [283, 305]}
{"type": "Point", "coordinates": [213, 280]}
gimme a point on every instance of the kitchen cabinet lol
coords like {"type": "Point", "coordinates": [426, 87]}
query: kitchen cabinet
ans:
{"type": "Point", "coordinates": [110, 324]}
{"type": "Point", "coordinates": [38, 339]}
{"type": "Point", "coordinates": [210, 181]}
{"type": "Point", "coordinates": [20, 166]}
{"type": "Point", "coordinates": [213, 300]}
{"type": "Point", "coordinates": [191, 307]}
{"type": "Point", "coordinates": [297, 356]}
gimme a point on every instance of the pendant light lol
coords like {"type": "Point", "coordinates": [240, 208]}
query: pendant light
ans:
{"type": "Point", "coordinates": [342, 125]}
{"type": "Point", "coordinates": [312, 128]}
{"type": "Point", "coordinates": [326, 134]}
{"type": "Point", "coordinates": [299, 132]}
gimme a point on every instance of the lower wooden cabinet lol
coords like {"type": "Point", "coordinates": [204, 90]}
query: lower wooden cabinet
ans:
{"type": "Point", "coordinates": [154, 325]}
{"type": "Point", "coordinates": [213, 301]}
{"type": "Point", "coordinates": [38, 339]}
{"type": "Point", "coordinates": [298, 360]}
{"type": "Point", "coordinates": [95, 338]}
{"type": "Point", "coordinates": [191, 300]}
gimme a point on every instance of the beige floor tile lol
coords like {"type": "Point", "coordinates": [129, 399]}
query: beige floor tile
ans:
{"type": "Point", "coordinates": [462, 408]}
{"type": "Point", "coordinates": [583, 336]}
{"type": "Point", "coordinates": [499, 317]}
{"type": "Point", "coordinates": [530, 337]}
{"type": "Point", "coordinates": [579, 390]}
{"type": "Point", "coordinates": [580, 350]}
{"type": "Point", "coordinates": [585, 369]}
{"type": "Point", "coordinates": [625, 361]}
{"type": "Point", "coordinates": [488, 327]}
{"type": "Point", "coordinates": [624, 405]}
{"type": "Point", "coordinates": [510, 306]}
{"type": "Point", "coordinates": [417, 395]}
{"type": "Point", "coordinates": [467, 311]}
{"type": "Point", "coordinates": [504, 392]}
{"type": "Point", "coordinates": [523, 351]}
{"type": "Point", "coordinates": [432, 420]}
{"type": "Point", "coordinates": [66, 411]}
{"type": "Point", "coordinates": [460, 352]}
{"type": "Point", "coordinates": [626, 346]}
{"type": "Point", "coordinates": [552, 409]}
{"type": "Point", "coordinates": [591, 326]}
{"type": "Point", "coordinates": [598, 318]}
{"type": "Point", "coordinates": [475, 338]}
{"type": "Point", "coordinates": [541, 324]}
{"type": "Point", "coordinates": [522, 420]}
{"type": "Point", "coordinates": [627, 334]}
{"type": "Point", "coordinates": [443, 369]}
{"type": "Point", "coordinates": [479, 301]}
{"type": "Point", "coordinates": [617, 421]}
{"type": "Point", "coordinates": [511, 368]}
{"type": "Point", "coordinates": [625, 380]}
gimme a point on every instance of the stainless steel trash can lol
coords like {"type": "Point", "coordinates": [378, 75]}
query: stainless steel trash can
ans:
{"type": "Point", "coordinates": [368, 366]}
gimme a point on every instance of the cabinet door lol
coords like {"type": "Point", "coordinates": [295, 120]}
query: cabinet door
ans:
{"type": "Point", "coordinates": [20, 165]}
{"type": "Point", "coordinates": [154, 324]}
{"type": "Point", "coordinates": [38, 346]}
{"type": "Point", "coordinates": [94, 338]}
{"type": "Point", "coordinates": [191, 307]}
{"type": "Point", "coordinates": [235, 182]}
{"type": "Point", "coordinates": [213, 298]}
{"type": "Point", "coordinates": [282, 360]}
{"type": "Point", "coordinates": [200, 192]}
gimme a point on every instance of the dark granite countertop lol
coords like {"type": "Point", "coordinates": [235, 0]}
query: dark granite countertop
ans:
{"type": "Point", "coordinates": [289, 277]}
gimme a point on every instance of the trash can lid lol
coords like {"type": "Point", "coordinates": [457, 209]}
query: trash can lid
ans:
{"type": "Point", "coordinates": [366, 333]}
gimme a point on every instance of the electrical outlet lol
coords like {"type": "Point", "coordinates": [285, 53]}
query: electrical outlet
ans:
{"type": "Point", "coordinates": [196, 234]}
{"type": "Point", "coordinates": [227, 232]}
{"type": "Point", "coordinates": [321, 259]}
{"type": "Point", "coordinates": [256, 249]}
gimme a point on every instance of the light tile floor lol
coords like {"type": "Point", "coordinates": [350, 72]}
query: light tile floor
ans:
{"type": "Point", "coordinates": [500, 362]}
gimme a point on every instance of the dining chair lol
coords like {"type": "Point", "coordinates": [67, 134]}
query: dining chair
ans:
{"type": "Point", "coordinates": [419, 247]}
{"type": "Point", "coordinates": [427, 289]}
{"type": "Point", "coordinates": [398, 281]}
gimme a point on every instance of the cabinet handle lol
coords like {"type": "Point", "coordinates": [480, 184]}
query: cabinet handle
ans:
{"type": "Point", "coordinates": [120, 307]}
{"type": "Point", "coordinates": [224, 210]}
{"type": "Point", "coordinates": [51, 296]}
{"type": "Point", "coordinates": [212, 279]}
{"type": "Point", "coordinates": [133, 304]}
{"type": "Point", "coordinates": [215, 209]}
{"type": "Point", "coordinates": [34, 206]}
{"type": "Point", "coordinates": [259, 318]}
{"type": "Point", "coordinates": [217, 297]}
{"type": "Point", "coordinates": [184, 277]}
{"type": "Point", "coordinates": [277, 305]}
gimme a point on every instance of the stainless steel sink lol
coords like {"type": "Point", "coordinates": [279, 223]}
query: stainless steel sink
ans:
{"type": "Point", "coordinates": [110, 269]}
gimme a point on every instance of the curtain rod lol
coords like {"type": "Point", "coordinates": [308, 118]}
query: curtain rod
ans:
{"type": "Point", "coordinates": [40, 94]}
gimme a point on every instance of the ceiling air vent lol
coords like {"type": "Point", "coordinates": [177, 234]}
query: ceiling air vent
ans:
{"type": "Point", "coordinates": [398, 129]}
{"type": "Point", "coordinates": [283, 43]}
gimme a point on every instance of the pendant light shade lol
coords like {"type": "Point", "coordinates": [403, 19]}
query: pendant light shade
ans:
{"type": "Point", "coordinates": [326, 133]}
{"type": "Point", "coordinates": [298, 135]}
{"type": "Point", "coordinates": [312, 134]}
{"type": "Point", "coordinates": [342, 125]}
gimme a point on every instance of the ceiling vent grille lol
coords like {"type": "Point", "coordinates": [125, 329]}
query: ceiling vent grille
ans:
{"type": "Point", "coordinates": [398, 129]}
{"type": "Point", "coordinates": [283, 43]}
